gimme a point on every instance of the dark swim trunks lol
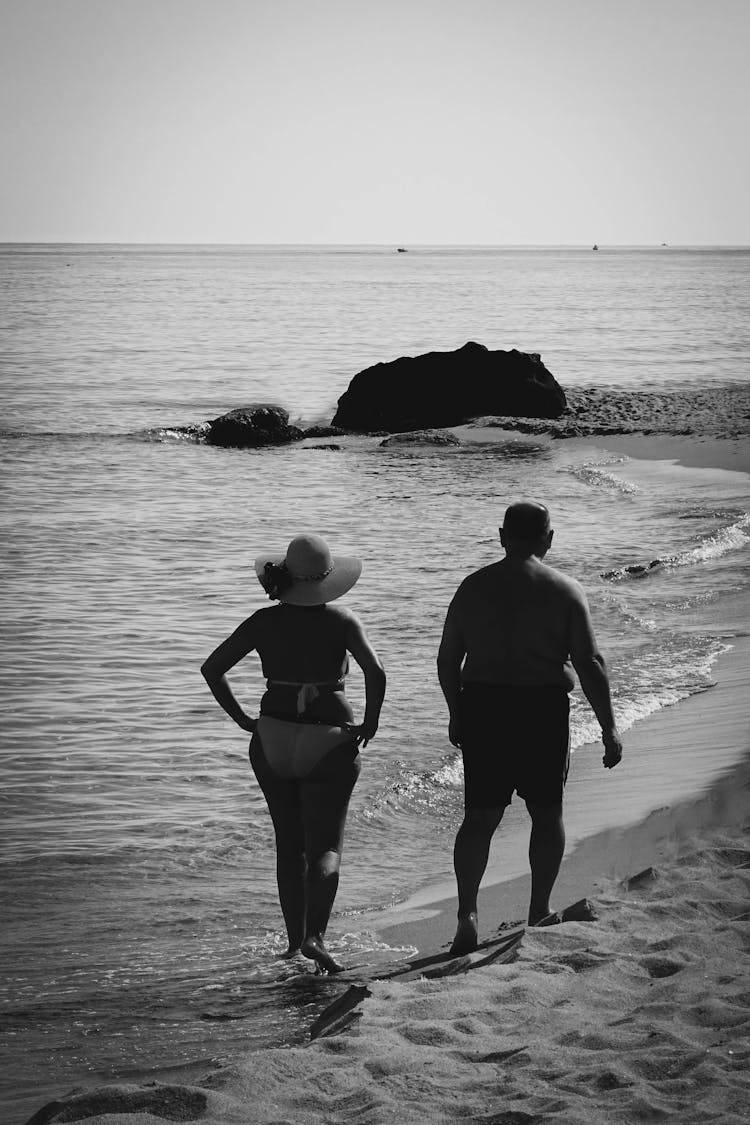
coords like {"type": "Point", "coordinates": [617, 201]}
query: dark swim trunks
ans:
{"type": "Point", "coordinates": [514, 739]}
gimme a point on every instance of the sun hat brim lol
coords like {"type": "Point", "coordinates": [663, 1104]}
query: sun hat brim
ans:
{"type": "Point", "coordinates": [317, 591]}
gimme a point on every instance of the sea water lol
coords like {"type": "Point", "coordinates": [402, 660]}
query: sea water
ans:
{"type": "Point", "coordinates": [140, 919]}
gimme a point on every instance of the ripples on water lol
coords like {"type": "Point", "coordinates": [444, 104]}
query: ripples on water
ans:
{"type": "Point", "coordinates": [140, 906]}
{"type": "Point", "coordinates": [128, 338]}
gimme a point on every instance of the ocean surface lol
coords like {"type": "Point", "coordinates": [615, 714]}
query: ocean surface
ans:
{"type": "Point", "coordinates": [140, 919]}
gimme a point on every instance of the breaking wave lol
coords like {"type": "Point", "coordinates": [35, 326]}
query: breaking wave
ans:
{"type": "Point", "coordinates": [595, 474]}
{"type": "Point", "coordinates": [194, 433]}
{"type": "Point", "coordinates": [658, 677]}
{"type": "Point", "coordinates": [730, 538]}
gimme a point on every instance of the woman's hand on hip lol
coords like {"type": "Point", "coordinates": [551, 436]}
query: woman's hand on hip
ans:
{"type": "Point", "coordinates": [362, 733]}
{"type": "Point", "coordinates": [247, 723]}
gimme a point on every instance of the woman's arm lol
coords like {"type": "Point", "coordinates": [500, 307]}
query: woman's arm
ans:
{"type": "Point", "coordinates": [242, 641]}
{"type": "Point", "coordinates": [359, 646]}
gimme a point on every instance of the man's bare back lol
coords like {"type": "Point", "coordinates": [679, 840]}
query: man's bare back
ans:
{"type": "Point", "coordinates": [513, 634]}
{"type": "Point", "coordinates": [520, 621]}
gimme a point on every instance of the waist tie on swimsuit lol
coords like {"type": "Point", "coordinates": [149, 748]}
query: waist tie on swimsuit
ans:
{"type": "Point", "coordinates": [307, 692]}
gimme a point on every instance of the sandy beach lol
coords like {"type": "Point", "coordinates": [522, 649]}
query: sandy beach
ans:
{"type": "Point", "coordinates": [642, 1015]}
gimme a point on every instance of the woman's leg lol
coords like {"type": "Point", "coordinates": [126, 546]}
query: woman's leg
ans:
{"type": "Point", "coordinates": [283, 799]}
{"type": "Point", "coordinates": [325, 797]}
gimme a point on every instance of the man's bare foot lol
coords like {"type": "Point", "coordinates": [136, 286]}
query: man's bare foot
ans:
{"type": "Point", "coordinates": [466, 939]}
{"type": "Point", "coordinates": [314, 948]}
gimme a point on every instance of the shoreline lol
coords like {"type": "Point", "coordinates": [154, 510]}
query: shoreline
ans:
{"type": "Point", "coordinates": [419, 1047]}
{"type": "Point", "coordinates": [700, 451]}
{"type": "Point", "coordinates": [619, 836]}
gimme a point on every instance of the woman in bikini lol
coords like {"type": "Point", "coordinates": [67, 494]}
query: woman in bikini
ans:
{"type": "Point", "coordinates": [305, 745]}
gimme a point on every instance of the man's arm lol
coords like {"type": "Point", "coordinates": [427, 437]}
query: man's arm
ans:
{"type": "Point", "coordinates": [449, 661]}
{"type": "Point", "coordinates": [592, 674]}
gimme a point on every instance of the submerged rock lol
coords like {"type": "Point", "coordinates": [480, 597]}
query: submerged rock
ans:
{"type": "Point", "coordinates": [447, 388]}
{"type": "Point", "coordinates": [250, 426]}
{"type": "Point", "coordinates": [324, 431]}
{"type": "Point", "coordinates": [422, 437]}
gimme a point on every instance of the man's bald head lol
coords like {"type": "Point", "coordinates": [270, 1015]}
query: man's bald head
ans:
{"type": "Point", "coordinates": [526, 529]}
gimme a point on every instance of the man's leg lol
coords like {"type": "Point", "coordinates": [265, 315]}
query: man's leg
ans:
{"type": "Point", "coordinates": [470, 855]}
{"type": "Point", "coordinates": [546, 849]}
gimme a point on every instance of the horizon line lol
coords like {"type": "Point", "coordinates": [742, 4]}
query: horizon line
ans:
{"type": "Point", "coordinates": [415, 245]}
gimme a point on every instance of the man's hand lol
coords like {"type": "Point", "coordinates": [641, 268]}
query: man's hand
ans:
{"type": "Point", "coordinates": [612, 748]}
{"type": "Point", "coordinates": [454, 732]}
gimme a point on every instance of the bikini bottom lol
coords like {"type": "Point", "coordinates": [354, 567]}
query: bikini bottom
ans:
{"type": "Point", "coordinates": [293, 750]}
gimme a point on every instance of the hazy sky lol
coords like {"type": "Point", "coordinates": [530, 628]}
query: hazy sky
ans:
{"type": "Point", "coordinates": [389, 121]}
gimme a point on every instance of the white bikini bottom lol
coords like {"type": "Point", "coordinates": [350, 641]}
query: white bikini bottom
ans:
{"type": "Point", "coordinates": [294, 749]}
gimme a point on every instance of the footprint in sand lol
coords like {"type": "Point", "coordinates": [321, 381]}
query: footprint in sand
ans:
{"type": "Point", "coordinates": [426, 1035]}
{"type": "Point", "coordinates": [658, 967]}
{"type": "Point", "coordinates": [714, 1013]}
{"type": "Point", "coordinates": [582, 959]}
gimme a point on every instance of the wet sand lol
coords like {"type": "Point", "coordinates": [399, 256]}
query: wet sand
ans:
{"type": "Point", "coordinates": [700, 452]}
{"type": "Point", "coordinates": [719, 412]}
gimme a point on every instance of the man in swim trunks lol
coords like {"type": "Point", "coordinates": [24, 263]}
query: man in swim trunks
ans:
{"type": "Point", "coordinates": [513, 633]}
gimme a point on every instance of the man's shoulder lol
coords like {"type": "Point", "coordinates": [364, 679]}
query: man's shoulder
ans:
{"type": "Point", "coordinates": [492, 578]}
{"type": "Point", "coordinates": [565, 583]}
{"type": "Point", "coordinates": [478, 580]}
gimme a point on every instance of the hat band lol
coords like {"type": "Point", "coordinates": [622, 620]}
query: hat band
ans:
{"type": "Point", "coordinates": [311, 577]}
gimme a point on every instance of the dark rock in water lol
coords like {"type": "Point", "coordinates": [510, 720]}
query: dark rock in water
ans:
{"type": "Point", "coordinates": [332, 446]}
{"type": "Point", "coordinates": [251, 426]}
{"type": "Point", "coordinates": [635, 570]}
{"type": "Point", "coordinates": [422, 437]}
{"type": "Point", "coordinates": [447, 388]}
{"type": "Point", "coordinates": [324, 431]}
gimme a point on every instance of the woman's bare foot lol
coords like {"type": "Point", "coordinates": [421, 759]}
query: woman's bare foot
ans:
{"type": "Point", "coordinates": [314, 948]}
{"type": "Point", "coordinates": [466, 939]}
{"type": "Point", "coordinates": [287, 955]}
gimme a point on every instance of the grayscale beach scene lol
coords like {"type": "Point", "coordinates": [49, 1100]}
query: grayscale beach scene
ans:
{"type": "Point", "coordinates": [142, 938]}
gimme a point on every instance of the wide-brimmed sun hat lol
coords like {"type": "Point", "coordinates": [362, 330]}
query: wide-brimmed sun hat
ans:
{"type": "Point", "coordinates": [308, 574]}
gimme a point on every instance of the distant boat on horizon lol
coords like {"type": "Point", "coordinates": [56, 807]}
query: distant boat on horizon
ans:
{"type": "Point", "coordinates": [402, 250]}
{"type": "Point", "coordinates": [594, 247]}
